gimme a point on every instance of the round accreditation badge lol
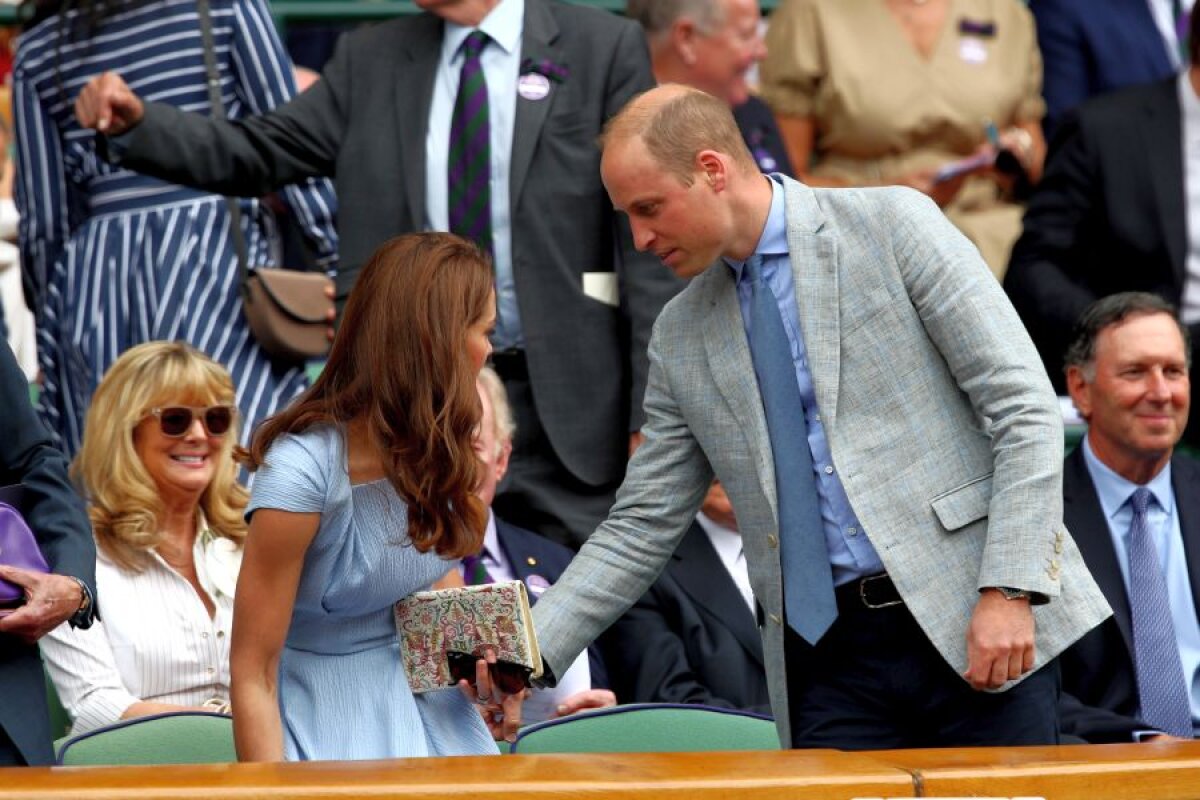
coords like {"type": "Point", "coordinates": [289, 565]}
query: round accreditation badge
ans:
{"type": "Point", "coordinates": [533, 86]}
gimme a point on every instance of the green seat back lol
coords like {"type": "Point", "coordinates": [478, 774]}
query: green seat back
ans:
{"type": "Point", "coordinates": [187, 737]}
{"type": "Point", "coordinates": [649, 728]}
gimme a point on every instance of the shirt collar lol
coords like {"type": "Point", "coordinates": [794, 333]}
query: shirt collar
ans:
{"type": "Point", "coordinates": [503, 25]}
{"type": "Point", "coordinates": [773, 241]}
{"type": "Point", "coordinates": [1114, 490]}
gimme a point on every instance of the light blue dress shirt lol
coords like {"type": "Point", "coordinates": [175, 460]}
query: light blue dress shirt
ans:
{"type": "Point", "coordinates": [1114, 491]}
{"type": "Point", "coordinates": [850, 552]}
{"type": "Point", "coordinates": [501, 61]}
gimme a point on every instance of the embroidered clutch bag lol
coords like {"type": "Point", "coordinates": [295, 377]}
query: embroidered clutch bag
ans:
{"type": "Point", "coordinates": [433, 626]}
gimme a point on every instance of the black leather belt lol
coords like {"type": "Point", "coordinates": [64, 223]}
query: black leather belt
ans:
{"type": "Point", "coordinates": [872, 592]}
{"type": "Point", "coordinates": [510, 363]}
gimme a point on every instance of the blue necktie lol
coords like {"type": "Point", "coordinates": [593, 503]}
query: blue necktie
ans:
{"type": "Point", "coordinates": [1161, 685]}
{"type": "Point", "coordinates": [804, 557]}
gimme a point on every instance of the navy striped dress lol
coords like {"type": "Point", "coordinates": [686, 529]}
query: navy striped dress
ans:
{"type": "Point", "coordinates": [120, 258]}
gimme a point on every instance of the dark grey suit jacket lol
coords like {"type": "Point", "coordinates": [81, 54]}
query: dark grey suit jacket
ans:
{"type": "Point", "coordinates": [364, 124]}
{"type": "Point", "coordinates": [1100, 698]}
{"type": "Point", "coordinates": [690, 639]}
{"type": "Point", "coordinates": [56, 516]}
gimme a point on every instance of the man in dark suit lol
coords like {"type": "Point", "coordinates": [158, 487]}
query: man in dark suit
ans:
{"type": "Point", "coordinates": [1088, 50]}
{"type": "Point", "coordinates": [56, 516]}
{"type": "Point", "coordinates": [513, 553]}
{"type": "Point", "coordinates": [1111, 214]}
{"type": "Point", "coordinates": [712, 45]}
{"type": "Point", "coordinates": [575, 300]}
{"type": "Point", "coordinates": [1138, 673]}
{"type": "Point", "coordinates": [692, 638]}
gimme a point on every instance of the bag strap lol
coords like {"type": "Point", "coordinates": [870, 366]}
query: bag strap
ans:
{"type": "Point", "coordinates": [218, 113]}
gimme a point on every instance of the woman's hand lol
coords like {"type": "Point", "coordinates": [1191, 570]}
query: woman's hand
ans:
{"type": "Point", "coordinates": [501, 712]}
{"type": "Point", "coordinates": [923, 180]}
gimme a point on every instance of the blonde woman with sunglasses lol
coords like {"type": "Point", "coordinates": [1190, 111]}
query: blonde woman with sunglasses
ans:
{"type": "Point", "coordinates": [157, 470]}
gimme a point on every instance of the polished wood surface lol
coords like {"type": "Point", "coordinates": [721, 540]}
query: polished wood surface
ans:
{"type": "Point", "coordinates": [1150, 771]}
{"type": "Point", "coordinates": [796, 775]}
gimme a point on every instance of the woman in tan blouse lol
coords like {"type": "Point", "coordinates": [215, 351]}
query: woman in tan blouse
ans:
{"type": "Point", "coordinates": [884, 92]}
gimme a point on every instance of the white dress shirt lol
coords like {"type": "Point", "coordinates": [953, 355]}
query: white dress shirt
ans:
{"type": "Point", "coordinates": [155, 642]}
{"type": "Point", "coordinates": [728, 544]}
{"type": "Point", "coordinates": [1189, 108]}
{"type": "Point", "coordinates": [1163, 12]}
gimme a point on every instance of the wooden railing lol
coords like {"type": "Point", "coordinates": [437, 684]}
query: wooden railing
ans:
{"type": "Point", "coordinates": [1166, 771]}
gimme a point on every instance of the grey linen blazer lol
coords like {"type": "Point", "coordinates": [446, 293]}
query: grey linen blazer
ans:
{"type": "Point", "coordinates": [364, 123]}
{"type": "Point", "coordinates": [940, 418]}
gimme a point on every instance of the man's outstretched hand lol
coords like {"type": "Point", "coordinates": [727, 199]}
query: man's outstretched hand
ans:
{"type": "Point", "coordinates": [108, 105]}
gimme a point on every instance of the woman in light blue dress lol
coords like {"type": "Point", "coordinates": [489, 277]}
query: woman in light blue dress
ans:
{"type": "Point", "coordinates": [365, 493]}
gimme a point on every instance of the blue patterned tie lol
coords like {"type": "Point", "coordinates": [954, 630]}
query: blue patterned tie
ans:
{"type": "Point", "coordinates": [804, 557]}
{"type": "Point", "coordinates": [1161, 685]}
{"type": "Point", "coordinates": [469, 168]}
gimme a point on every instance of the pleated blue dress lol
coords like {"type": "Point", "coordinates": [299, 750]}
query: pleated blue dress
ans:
{"type": "Point", "coordinates": [119, 258]}
{"type": "Point", "coordinates": [343, 693]}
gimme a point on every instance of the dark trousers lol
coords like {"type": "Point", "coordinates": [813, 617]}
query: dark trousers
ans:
{"type": "Point", "coordinates": [10, 756]}
{"type": "Point", "coordinates": [875, 682]}
{"type": "Point", "coordinates": [539, 493]}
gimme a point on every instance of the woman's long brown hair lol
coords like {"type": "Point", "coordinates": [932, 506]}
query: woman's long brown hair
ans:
{"type": "Point", "coordinates": [399, 362]}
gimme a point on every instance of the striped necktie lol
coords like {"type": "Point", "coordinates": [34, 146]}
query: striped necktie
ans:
{"type": "Point", "coordinates": [469, 190]}
{"type": "Point", "coordinates": [1162, 688]}
{"type": "Point", "coordinates": [474, 571]}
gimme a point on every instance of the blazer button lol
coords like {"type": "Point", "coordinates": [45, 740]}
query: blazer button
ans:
{"type": "Point", "coordinates": [772, 540]}
{"type": "Point", "coordinates": [775, 618]}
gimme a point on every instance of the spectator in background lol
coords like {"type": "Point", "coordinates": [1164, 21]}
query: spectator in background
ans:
{"type": "Point", "coordinates": [364, 493]}
{"type": "Point", "coordinates": [712, 45]}
{"type": "Point", "coordinates": [693, 638]}
{"type": "Point", "coordinates": [890, 92]}
{"type": "Point", "coordinates": [1133, 506]}
{"type": "Point", "coordinates": [56, 516]}
{"type": "Point", "coordinates": [117, 258]}
{"type": "Point", "coordinates": [575, 300]}
{"type": "Point", "coordinates": [1116, 211]}
{"type": "Point", "coordinates": [1090, 48]}
{"type": "Point", "coordinates": [157, 469]}
{"type": "Point", "coordinates": [512, 553]}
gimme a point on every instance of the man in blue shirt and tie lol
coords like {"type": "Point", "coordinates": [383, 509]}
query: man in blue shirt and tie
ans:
{"type": "Point", "coordinates": [1133, 506]}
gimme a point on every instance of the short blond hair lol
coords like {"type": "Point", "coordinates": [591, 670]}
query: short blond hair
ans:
{"type": "Point", "coordinates": [503, 425]}
{"type": "Point", "coordinates": [123, 502]}
{"type": "Point", "coordinates": [677, 122]}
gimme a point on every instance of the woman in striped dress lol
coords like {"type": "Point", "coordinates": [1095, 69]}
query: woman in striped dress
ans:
{"type": "Point", "coordinates": [118, 258]}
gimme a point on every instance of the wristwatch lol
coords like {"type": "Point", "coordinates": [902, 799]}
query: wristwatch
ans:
{"type": "Point", "coordinates": [1013, 594]}
{"type": "Point", "coordinates": [83, 617]}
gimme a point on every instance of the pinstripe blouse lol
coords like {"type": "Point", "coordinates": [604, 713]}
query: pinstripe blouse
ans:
{"type": "Point", "coordinates": [155, 643]}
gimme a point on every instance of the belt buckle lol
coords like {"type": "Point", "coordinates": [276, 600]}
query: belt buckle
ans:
{"type": "Point", "coordinates": [862, 593]}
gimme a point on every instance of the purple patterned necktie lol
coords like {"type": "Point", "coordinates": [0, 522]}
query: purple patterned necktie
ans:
{"type": "Point", "coordinates": [1161, 685]}
{"type": "Point", "coordinates": [469, 190]}
{"type": "Point", "coordinates": [474, 572]}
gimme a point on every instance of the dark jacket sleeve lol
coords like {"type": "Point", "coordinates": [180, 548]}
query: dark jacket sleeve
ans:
{"type": "Point", "coordinates": [1096, 725]}
{"type": "Point", "coordinates": [53, 510]}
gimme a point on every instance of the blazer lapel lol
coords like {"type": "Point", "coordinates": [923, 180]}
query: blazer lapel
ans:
{"type": "Point", "coordinates": [1185, 477]}
{"type": "Point", "coordinates": [538, 43]}
{"type": "Point", "coordinates": [1085, 520]}
{"type": "Point", "coordinates": [697, 568]}
{"type": "Point", "coordinates": [415, 74]}
{"type": "Point", "coordinates": [1165, 140]}
{"type": "Point", "coordinates": [733, 371]}
{"type": "Point", "coordinates": [814, 270]}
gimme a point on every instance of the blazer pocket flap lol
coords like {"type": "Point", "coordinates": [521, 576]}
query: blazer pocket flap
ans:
{"type": "Point", "coordinates": [965, 504]}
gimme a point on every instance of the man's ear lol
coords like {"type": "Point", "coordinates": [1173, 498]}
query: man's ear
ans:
{"type": "Point", "coordinates": [502, 460]}
{"type": "Point", "coordinates": [1080, 390]}
{"type": "Point", "coordinates": [683, 40]}
{"type": "Point", "coordinates": [713, 168]}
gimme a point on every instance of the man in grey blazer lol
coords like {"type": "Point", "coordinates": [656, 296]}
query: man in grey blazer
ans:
{"type": "Point", "coordinates": [934, 437]}
{"type": "Point", "coordinates": [576, 302]}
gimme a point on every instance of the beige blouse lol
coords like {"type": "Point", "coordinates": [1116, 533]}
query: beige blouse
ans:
{"type": "Point", "coordinates": [882, 110]}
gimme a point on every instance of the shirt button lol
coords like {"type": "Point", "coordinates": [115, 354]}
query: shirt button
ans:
{"type": "Point", "coordinates": [828, 470]}
{"type": "Point", "coordinates": [775, 618]}
{"type": "Point", "coordinates": [212, 670]}
{"type": "Point", "coordinates": [220, 634]}
{"type": "Point", "coordinates": [852, 531]}
{"type": "Point", "coordinates": [817, 417]}
{"type": "Point", "coordinates": [204, 635]}
{"type": "Point", "coordinates": [772, 540]}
